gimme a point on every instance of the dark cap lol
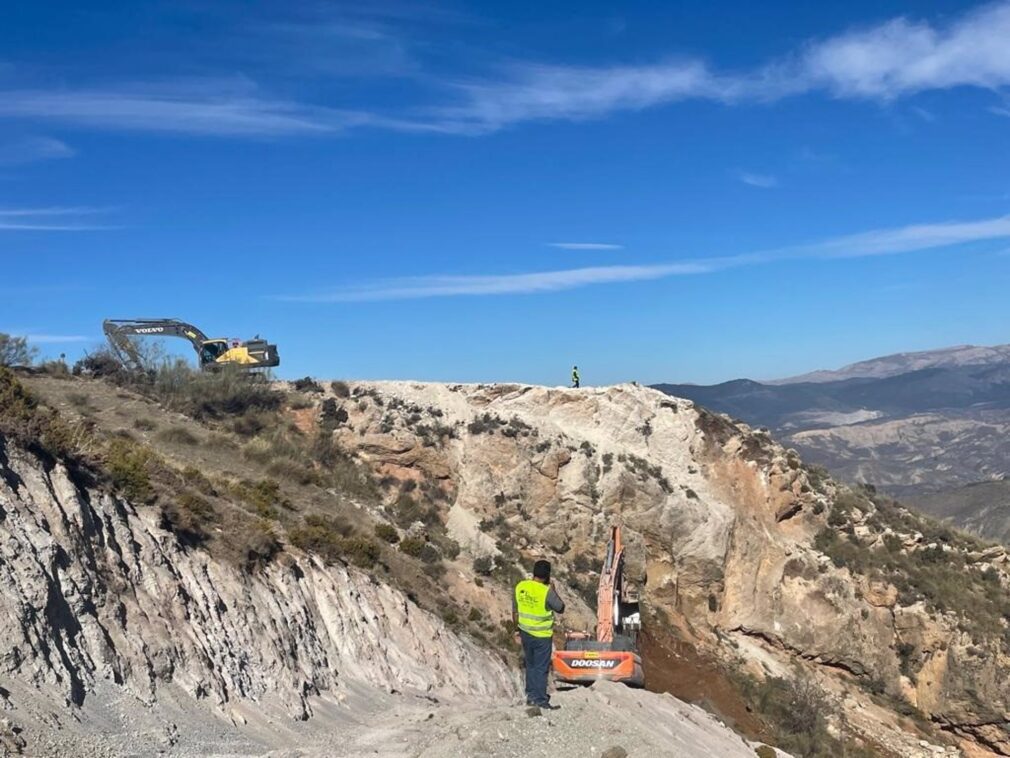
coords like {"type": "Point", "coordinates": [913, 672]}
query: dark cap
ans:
{"type": "Point", "coordinates": [542, 570]}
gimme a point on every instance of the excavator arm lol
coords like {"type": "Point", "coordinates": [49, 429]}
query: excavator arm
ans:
{"type": "Point", "coordinates": [210, 353]}
{"type": "Point", "coordinates": [119, 332]}
{"type": "Point", "coordinates": [614, 653]}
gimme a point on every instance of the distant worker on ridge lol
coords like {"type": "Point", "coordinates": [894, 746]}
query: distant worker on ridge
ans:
{"type": "Point", "coordinates": [534, 604]}
{"type": "Point", "coordinates": [575, 377]}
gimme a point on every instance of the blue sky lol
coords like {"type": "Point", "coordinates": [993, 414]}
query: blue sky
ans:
{"type": "Point", "coordinates": [495, 191]}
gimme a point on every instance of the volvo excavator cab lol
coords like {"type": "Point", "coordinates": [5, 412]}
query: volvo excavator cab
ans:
{"type": "Point", "coordinates": [211, 352]}
{"type": "Point", "coordinates": [613, 652]}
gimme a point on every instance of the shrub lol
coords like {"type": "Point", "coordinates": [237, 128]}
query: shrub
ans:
{"type": "Point", "coordinates": [258, 542]}
{"type": "Point", "coordinates": [226, 392]}
{"type": "Point", "coordinates": [177, 435]}
{"type": "Point", "coordinates": [483, 565]}
{"type": "Point", "coordinates": [435, 570]}
{"type": "Point", "coordinates": [144, 425]}
{"type": "Point", "coordinates": [412, 546]}
{"type": "Point", "coordinates": [340, 389]}
{"type": "Point", "coordinates": [37, 428]}
{"type": "Point", "coordinates": [57, 369]}
{"type": "Point", "coordinates": [798, 711]}
{"type": "Point", "coordinates": [101, 363]}
{"type": "Point", "coordinates": [387, 533]}
{"type": "Point", "coordinates": [330, 539]}
{"type": "Point", "coordinates": [189, 517]}
{"type": "Point", "coordinates": [307, 384]}
{"type": "Point", "coordinates": [474, 615]}
{"type": "Point", "coordinates": [196, 479]}
{"type": "Point", "coordinates": [127, 465]}
{"type": "Point", "coordinates": [299, 402]}
{"type": "Point", "coordinates": [285, 468]}
{"type": "Point", "coordinates": [15, 351]}
{"type": "Point", "coordinates": [262, 496]}
{"type": "Point", "coordinates": [484, 424]}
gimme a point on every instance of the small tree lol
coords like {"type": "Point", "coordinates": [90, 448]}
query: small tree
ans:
{"type": "Point", "coordinates": [15, 351]}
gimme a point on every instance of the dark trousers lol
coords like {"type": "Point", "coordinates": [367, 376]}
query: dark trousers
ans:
{"type": "Point", "coordinates": [537, 655]}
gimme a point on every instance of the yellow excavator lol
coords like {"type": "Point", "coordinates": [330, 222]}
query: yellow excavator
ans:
{"type": "Point", "coordinates": [613, 652]}
{"type": "Point", "coordinates": [211, 352]}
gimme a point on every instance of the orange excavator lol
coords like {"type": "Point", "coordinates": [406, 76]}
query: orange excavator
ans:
{"type": "Point", "coordinates": [613, 654]}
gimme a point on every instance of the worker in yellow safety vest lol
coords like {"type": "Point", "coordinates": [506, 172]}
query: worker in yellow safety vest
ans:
{"type": "Point", "coordinates": [534, 604]}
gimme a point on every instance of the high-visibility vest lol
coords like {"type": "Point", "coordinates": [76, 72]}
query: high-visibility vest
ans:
{"type": "Point", "coordinates": [531, 603]}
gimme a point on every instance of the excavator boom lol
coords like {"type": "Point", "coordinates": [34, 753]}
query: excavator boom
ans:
{"type": "Point", "coordinates": [210, 352]}
{"type": "Point", "coordinates": [614, 653]}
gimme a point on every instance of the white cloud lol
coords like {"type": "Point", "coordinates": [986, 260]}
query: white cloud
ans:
{"type": "Point", "coordinates": [909, 238]}
{"type": "Point", "coordinates": [1000, 111]}
{"type": "Point", "coordinates": [898, 58]}
{"type": "Point", "coordinates": [32, 149]}
{"type": "Point", "coordinates": [586, 245]}
{"type": "Point", "coordinates": [51, 219]}
{"type": "Point", "coordinates": [499, 284]}
{"type": "Point", "coordinates": [916, 237]}
{"type": "Point", "coordinates": [56, 339]}
{"type": "Point", "coordinates": [202, 107]}
{"type": "Point", "coordinates": [764, 181]}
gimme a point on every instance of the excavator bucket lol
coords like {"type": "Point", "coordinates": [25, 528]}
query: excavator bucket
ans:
{"type": "Point", "coordinates": [587, 666]}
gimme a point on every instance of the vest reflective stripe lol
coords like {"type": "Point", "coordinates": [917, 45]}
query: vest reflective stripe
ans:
{"type": "Point", "coordinates": [531, 603]}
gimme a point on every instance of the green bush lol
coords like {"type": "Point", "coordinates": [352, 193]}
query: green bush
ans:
{"type": "Point", "coordinates": [483, 565]}
{"type": "Point", "coordinates": [127, 465]}
{"type": "Point", "coordinates": [387, 533]}
{"type": "Point", "coordinates": [227, 392]}
{"type": "Point", "coordinates": [330, 538]}
{"type": "Point", "coordinates": [15, 351]}
{"type": "Point", "coordinates": [412, 546]}
{"type": "Point", "coordinates": [144, 425]}
{"type": "Point", "coordinates": [340, 389]}
{"type": "Point", "coordinates": [263, 496]}
{"type": "Point", "coordinates": [26, 421]}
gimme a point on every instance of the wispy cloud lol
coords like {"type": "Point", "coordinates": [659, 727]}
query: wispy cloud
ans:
{"type": "Point", "coordinates": [995, 110]}
{"type": "Point", "coordinates": [898, 58]}
{"type": "Point", "coordinates": [764, 181]}
{"type": "Point", "coordinates": [499, 284]}
{"type": "Point", "coordinates": [56, 339]}
{"type": "Point", "coordinates": [51, 219]}
{"type": "Point", "coordinates": [33, 149]}
{"type": "Point", "coordinates": [202, 107]}
{"type": "Point", "coordinates": [42, 338]}
{"type": "Point", "coordinates": [586, 245]}
{"type": "Point", "coordinates": [917, 237]}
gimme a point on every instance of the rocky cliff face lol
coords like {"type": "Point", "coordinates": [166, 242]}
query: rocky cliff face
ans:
{"type": "Point", "coordinates": [98, 597]}
{"type": "Point", "coordinates": [722, 525]}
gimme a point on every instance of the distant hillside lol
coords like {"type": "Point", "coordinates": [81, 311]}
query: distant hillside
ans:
{"type": "Point", "coordinates": [983, 508]}
{"type": "Point", "coordinates": [903, 363]}
{"type": "Point", "coordinates": [913, 423]}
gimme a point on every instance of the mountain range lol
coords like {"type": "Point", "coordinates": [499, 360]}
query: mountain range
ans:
{"type": "Point", "coordinates": [925, 426]}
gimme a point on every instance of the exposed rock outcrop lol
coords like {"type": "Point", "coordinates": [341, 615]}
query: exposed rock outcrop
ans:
{"type": "Point", "coordinates": [96, 592]}
{"type": "Point", "coordinates": [721, 520]}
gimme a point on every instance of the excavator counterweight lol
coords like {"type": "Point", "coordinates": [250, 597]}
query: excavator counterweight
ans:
{"type": "Point", "coordinates": [613, 653]}
{"type": "Point", "coordinates": [211, 352]}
